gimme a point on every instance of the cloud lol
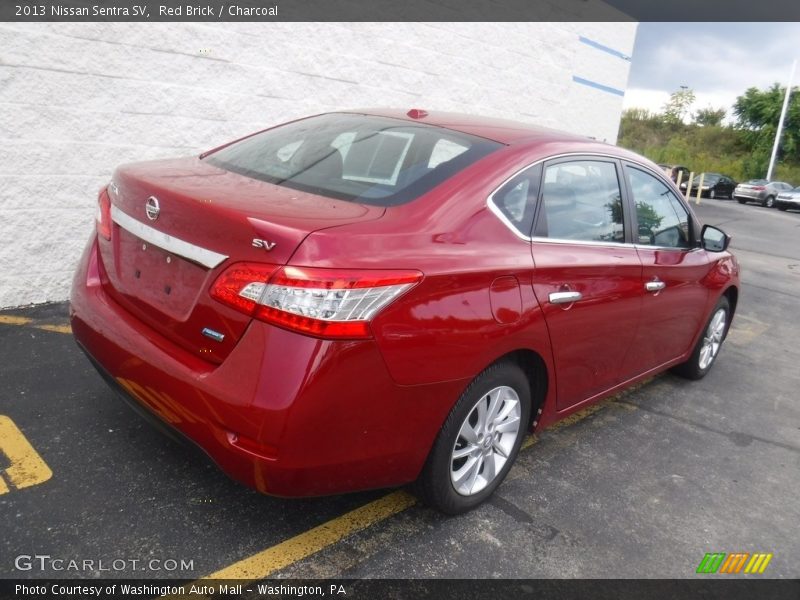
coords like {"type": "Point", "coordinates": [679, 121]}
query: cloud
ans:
{"type": "Point", "coordinates": [720, 59]}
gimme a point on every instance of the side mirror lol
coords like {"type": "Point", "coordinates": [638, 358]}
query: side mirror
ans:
{"type": "Point", "coordinates": [714, 239]}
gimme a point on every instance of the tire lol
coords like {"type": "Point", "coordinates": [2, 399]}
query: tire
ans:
{"type": "Point", "coordinates": [454, 478]}
{"type": "Point", "coordinates": [708, 346]}
{"type": "Point", "coordinates": [769, 202]}
{"type": "Point", "coordinates": [712, 194]}
{"type": "Point", "coordinates": [741, 201]}
{"type": "Point", "coordinates": [782, 207]}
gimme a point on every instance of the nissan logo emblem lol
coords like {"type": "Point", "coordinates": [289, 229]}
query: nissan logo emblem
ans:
{"type": "Point", "coordinates": [151, 208]}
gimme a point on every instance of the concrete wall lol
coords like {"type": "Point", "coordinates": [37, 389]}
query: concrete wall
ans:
{"type": "Point", "coordinates": [78, 99]}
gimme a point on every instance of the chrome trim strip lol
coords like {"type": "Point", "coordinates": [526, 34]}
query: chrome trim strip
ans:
{"type": "Point", "coordinates": [543, 240]}
{"type": "Point", "coordinates": [179, 247]}
{"type": "Point", "coordinates": [499, 214]}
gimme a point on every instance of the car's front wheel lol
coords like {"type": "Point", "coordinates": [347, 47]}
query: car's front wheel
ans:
{"type": "Point", "coordinates": [709, 344]}
{"type": "Point", "coordinates": [712, 194]}
{"type": "Point", "coordinates": [479, 440]}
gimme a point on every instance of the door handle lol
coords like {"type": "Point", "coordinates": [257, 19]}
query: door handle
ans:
{"type": "Point", "coordinates": [654, 286]}
{"type": "Point", "coordinates": [565, 297]}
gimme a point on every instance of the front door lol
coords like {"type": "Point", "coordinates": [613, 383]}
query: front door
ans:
{"type": "Point", "coordinates": [673, 269]}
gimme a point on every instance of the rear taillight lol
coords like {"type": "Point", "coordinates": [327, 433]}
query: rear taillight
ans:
{"type": "Point", "coordinates": [327, 303]}
{"type": "Point", "coordinates": [760, 188]}
{"type": "Point", "coordinates": [104, 214]}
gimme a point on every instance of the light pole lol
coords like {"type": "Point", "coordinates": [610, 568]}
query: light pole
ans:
{"type": "Point", "coordinates": [780, 122]}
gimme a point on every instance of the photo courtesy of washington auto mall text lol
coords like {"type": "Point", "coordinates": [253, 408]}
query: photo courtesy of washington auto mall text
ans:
{"type": "Point", "coordinates": [176, 590]}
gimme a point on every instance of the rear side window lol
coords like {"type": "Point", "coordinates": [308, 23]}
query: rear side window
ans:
{"type": "Point", "coordinates": [360, 158]}
{"type": "Point", "coordinates": [516, 199]}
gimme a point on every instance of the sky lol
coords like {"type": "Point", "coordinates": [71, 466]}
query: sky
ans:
{"type": "Point", "coordinates": [719, 61]}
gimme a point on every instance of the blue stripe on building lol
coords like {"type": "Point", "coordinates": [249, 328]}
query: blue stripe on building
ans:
{"type": "Point", "coordinates": [604, 48]}
{"type": "Point", "coordinates": [598, 86]}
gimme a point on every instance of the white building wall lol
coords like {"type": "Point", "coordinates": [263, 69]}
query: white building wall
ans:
{"type": "Point", "coordinates": [78, 99]}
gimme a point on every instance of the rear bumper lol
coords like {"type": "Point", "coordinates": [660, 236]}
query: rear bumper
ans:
{"type": "Point", "coordinates": [284, 413]}
{"type": "Point", "coordinates": [750, 195]}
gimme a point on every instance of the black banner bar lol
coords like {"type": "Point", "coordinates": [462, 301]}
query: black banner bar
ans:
{"type": "Point", "coordinates": [713, 588]}
{"type": "Point", "coordinates": [397, 10]}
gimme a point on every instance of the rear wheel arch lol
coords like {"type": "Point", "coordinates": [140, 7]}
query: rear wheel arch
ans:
{"type": "Point", "coordinates": [536, 373]}
{"type": "Point", "coordinates": [732, 294]}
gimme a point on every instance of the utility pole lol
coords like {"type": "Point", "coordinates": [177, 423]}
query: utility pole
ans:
{"type": "Point", "coordinates": [780, 122]}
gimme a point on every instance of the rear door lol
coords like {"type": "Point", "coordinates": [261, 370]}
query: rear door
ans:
{"type": "Point", "coordinates": [587, 275]}
{"type": "Point", "coordinates": [673, 267]}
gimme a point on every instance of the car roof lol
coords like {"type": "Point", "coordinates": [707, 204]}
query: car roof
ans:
{"type": "Point", "coordinates": [499, 130]}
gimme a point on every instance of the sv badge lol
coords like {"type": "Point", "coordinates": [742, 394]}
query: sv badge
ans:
{"type": "Point", "coordinates": [265, 244]}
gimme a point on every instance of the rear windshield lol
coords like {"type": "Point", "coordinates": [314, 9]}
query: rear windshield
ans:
{"type": "Point", "coordinates": [360, 158]}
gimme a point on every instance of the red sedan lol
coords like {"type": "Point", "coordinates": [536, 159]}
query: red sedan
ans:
{"type": "Point", "coordinates": [365, 299]}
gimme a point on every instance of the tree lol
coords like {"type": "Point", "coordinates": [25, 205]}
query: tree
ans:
{"type": "Point", "coordinates": [678, 105]}
{"type": "Point", "coordinates": [709, 117]}
{"type": "Point", "coordinates": [637, 114]}
{"type": "Point", "coordinates": [757, 114]}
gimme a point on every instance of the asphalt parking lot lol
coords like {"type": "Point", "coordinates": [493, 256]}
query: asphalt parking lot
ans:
{"type": "Point", "coordinates": [641, 486]}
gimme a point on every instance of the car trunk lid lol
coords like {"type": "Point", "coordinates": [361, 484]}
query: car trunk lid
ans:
{"type": "Point", "coordinates": [179, 223]}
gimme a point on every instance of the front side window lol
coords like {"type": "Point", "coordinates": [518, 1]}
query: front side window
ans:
{"type": "Point", "coordinates": [581, 201]}
{"type": "Point", "coordinates": [360, 158]}
{"type": "Point", "coordinates": [661, 218]}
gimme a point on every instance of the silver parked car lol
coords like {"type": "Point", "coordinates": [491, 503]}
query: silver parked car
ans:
{"type": "Point", "coordinates": [790, 199]}
{"type": "Point", "coordinates": [762, 191]}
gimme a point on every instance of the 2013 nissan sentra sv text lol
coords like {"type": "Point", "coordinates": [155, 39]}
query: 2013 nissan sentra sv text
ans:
{"type": "Point", "coordinates": [365, 299]}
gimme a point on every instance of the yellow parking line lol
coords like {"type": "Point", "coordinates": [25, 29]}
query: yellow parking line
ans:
{"type": "Point", "coordinates": [17, 320]}
{"type": "Point", "coordinates": [262, 564]}
{"type": "Point", "coordinates": [14, 320]}
{"type": "Point", "coordinates": [55, 328]}
{"type": "Point", "coordinates": [3, 487]}
{"type": "Point", "coordinates": [27, 467]}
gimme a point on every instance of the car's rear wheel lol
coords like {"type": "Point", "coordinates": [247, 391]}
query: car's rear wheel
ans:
{"type": "Point", "coordinates": [782, 207]}
{"type": "Point", "coordinates": [769, 202]}
{"type": "Point", "coordinates": [741, 200]}
{"type": "Point", "coordinates": [709, 344]}
{"type": "Point", "coordinates": [479, 440]}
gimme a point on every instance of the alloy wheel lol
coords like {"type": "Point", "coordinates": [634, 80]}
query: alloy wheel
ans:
{"type": "Point", "coordinates": [485, 440]}
{"type": "Point", "coordinates": [712, 340]}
